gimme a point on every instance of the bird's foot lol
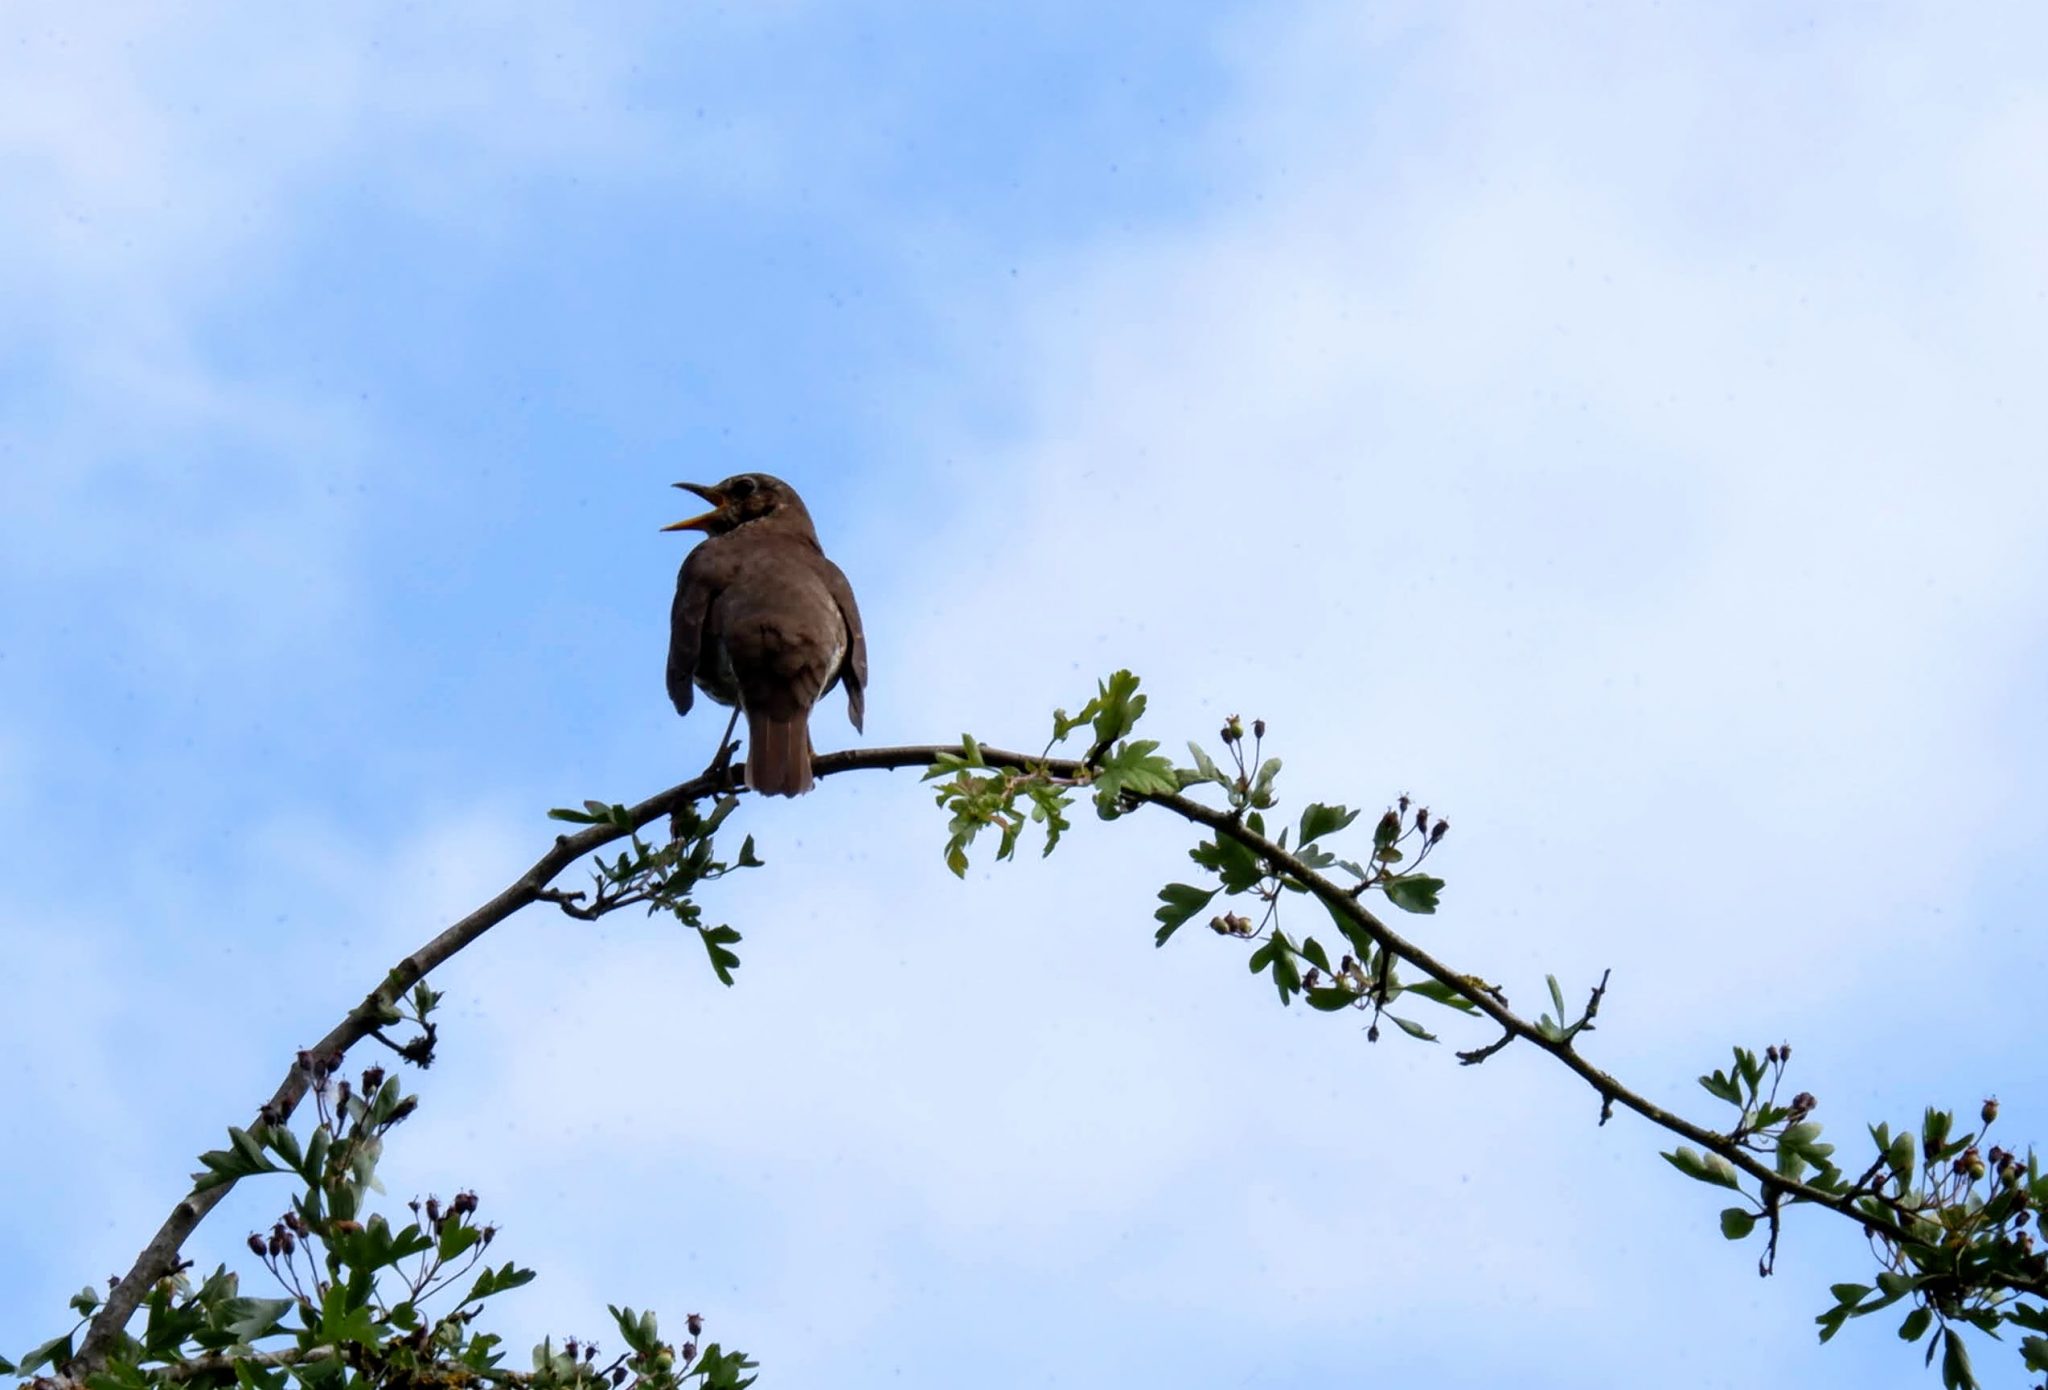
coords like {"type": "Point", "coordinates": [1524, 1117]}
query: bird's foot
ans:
{"type": "Point", "coordinates": [720, 770]}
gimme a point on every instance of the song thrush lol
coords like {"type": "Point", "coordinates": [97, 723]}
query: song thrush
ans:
{"type": "Point", "coordinates": [765, 623]}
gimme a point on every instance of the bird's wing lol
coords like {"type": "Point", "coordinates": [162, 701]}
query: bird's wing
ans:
{"type": "Point", "coordinates": [854, 668]}
{"type": "Point", "coordinates": [694, 592]}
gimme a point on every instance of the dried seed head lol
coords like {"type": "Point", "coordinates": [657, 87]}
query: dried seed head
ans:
{"type": "Point", "coordinates": [256, 1247]}
{"type": "Point", "coordinates": [1442, 826]}
{"type": "Point", "coordinates": [1990, 1110]}
{"type": "Point", "coordinates": [695, 1322]}
{"type": "Point", "coordinates": [1258, 728]}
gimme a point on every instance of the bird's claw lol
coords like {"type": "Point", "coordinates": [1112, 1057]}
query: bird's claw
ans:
{"type": "Point", "coordinates": [721, 768]}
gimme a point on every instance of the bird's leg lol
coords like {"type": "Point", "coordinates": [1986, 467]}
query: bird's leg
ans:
{"type": "Point", "coordinates": [720, 771]}
{"type": "Point", "coordinates": [721, 766]}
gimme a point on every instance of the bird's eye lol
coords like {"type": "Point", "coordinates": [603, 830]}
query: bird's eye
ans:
{"type": "Point", "coordinates": [741, 486]}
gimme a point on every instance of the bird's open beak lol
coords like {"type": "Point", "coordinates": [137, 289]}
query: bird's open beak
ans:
{"type": "Point", "coordinates": [702, 522]}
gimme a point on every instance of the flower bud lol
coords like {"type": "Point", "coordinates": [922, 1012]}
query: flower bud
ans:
{"type": "Point", "coordinates": [1258, 728]}
{"type": "Point", "coordinates": [1990, 1110]}
{"type": "Point", "coordinates": [695, 1322]}
{"type": "Point", "coordinates": [256, 1246]}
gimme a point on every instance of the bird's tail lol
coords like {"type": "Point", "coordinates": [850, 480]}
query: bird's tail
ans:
{"type": "Point", "coordinates": [779, 754]}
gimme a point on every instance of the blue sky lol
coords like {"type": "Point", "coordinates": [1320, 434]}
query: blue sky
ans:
{"type": "Point", "coordinates": [1618, 426]}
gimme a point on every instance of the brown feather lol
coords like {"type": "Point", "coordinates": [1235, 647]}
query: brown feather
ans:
{"type": "Point", "coordinates": [778, 754]}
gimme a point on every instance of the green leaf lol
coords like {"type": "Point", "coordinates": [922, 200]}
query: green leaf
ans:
{"type": "Point", "coordinates": [1915, 1325]}
{"type": "Point", "coordinates": [1831, 1322]}
{"type": "Point", "coordinates": [1411, 1028]}
{"type": "Point", "coordinates": [1330, 998]}
{"type": "Point", "coordinates": [1261, 794]}
{"type": "Point", "coordinates": [495, 1281]}
{"type": "Point", "coordinates": [1899, 1157]}
{"type": "Point", "coordinates": [1439, 993]}
{"type": "Point", "coordinates": [630, 1329]}
{"type": "Point", "coordinates": [2034, 1350]}
{"type": "Point", "coordinates": [723, 961]}
{"type": "Point", "coordinates": [1722, 1088]}
{"type": "Point", "coordinates": [1386, 831]}
{"type": "Point", "coordinates": [1737, 1223]}
{"type": "Point", "coordinates": [1709, 1167]}
{"type": "Point", "coordinates": [1849, 1295]}
{"type": "Point", "coordinates": [1955, 1362]}
{"type": "Point", "coordinates": [1135, 767]}
{"type": "Point", "coordinates": [1118, 707]}
{"type": "Point", "coordinates": [54, 1352]}
{"type": "Point", "coordinates": [1318, 820]}
{"type": "Point", "coordinates": [1205, 766]}
{"type": "Point", "coordinates": [250, 1318]}
{"type": "Point", "coordinates": [1312, 951]}
{"type": "Point", "coordinates": [1177, 903]}
{"type": "Point", "coordinates": [455, 1240]}
{"type": "Point", "coordinates": [1413, 892]}
{"type": "Point", "coordinates": [1230, 861]}
{"type": "Point", "coordinates": [1286, 971]}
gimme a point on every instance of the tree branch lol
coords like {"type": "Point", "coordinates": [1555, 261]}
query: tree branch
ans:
{"type": "Point", "coordinates": [160, 1257]}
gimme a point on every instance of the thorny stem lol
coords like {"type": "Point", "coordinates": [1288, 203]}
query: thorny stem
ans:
{"type": "Point", "coordinates": [160, 1257]}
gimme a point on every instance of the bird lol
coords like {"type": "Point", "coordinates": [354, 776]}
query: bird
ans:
{"type": "Point", "coordinates": [763, 622]}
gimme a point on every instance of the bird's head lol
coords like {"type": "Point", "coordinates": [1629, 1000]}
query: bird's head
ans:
{"type": "Point", "coordinates": [741, 499]}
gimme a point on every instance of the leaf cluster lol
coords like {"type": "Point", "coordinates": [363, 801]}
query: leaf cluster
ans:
{"type": "Point", "coordinates": [1947, 1220]}
{"type": "Point", "coordinates": [663, 877]}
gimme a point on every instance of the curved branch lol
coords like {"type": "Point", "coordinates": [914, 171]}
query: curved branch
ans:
{"type": "Point", "coordinates": [160, 1257]}
{"type": "Point", "coordinates": [1339, 900]}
